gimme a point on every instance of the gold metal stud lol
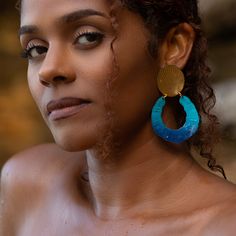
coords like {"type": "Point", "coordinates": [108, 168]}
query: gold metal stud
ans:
{"type": "Point", "coordinates": [170, 81]}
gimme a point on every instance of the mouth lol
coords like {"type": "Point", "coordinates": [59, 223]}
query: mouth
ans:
{"type": "Point", "coordinates": [65, 107]}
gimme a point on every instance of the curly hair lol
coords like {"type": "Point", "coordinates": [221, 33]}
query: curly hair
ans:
{"type": "Point", "coordinates": [159, 17]}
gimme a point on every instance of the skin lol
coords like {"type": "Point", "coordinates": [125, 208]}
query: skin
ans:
{"type": "Point", "coordinates": [147, 188]}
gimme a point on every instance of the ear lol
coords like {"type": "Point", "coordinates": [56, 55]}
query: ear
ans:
{"type": "Point", "coordinates": [177, 46]}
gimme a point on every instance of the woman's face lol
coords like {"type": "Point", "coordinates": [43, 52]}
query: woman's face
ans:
{"type": "Point", "coordinates": [71, 65]}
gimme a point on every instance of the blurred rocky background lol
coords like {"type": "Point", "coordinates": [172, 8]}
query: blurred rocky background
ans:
{"type": "Point", "coordinates": [21, 125]}
{"type": "Point", "coordinates": [219, 18]}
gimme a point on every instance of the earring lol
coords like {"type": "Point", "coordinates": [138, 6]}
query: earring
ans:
{"type": "Point", "coordinates": [170, 83]}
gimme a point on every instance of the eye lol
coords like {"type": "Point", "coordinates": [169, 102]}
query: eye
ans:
{"type": "Point", "coordinates": [33, 52]}
{"type": "Point", "coordinates": [87, 40]}
{"type": "Point", "coordinates": [37, 51]}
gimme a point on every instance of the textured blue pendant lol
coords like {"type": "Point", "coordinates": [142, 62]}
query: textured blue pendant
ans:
{"type": "Point", "coordinates": [175, 135]}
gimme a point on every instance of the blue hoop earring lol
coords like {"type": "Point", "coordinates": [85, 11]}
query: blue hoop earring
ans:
{"type": "Point", "coordinates": [166, 77]}
{"type": "Point", "coordinates": [179, 135]}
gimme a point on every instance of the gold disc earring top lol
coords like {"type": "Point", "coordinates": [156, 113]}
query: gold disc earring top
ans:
{"type": "Point", "coordinates": [170, 81]}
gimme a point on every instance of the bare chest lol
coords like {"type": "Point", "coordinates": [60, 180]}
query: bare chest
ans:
{"type": "Point", "coordinates": [61, 214]}
{"type": "Point", "coordinates": [64, 222]}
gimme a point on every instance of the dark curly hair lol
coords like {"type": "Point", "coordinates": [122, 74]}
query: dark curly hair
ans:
{"type": "Point", "coordinates": [159, 17]}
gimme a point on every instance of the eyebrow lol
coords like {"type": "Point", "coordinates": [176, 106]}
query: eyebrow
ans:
{"type": "Point", "coordinates": [28, 29]}
{"type": "Point", "coordinates": [67, 19]}
{"type": "Point", "coordinates": [78, 15]}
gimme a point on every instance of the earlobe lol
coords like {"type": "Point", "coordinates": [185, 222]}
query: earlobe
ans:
{"type": "Point", "coordinates": [177, 46]}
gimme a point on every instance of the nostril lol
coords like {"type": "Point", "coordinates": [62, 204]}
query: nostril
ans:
{"type": "Point", "coordinates": [59, 79]}
{"type": "Point", "coordinates": [55, 77]}
{"type": "Point", "coordinates": [45, 83]}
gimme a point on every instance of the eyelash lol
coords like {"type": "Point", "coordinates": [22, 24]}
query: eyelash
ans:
{"type": "Point", "coordinates": [26, 53]}
{"type": "Point", "coordinates": [99, 36]}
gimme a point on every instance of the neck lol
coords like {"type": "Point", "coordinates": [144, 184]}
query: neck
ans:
{"type": "Point", "coordinates": [146, 177]}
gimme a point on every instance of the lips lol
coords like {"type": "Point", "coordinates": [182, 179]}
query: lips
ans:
{"type": "Point", "coordinates": [66, 107]}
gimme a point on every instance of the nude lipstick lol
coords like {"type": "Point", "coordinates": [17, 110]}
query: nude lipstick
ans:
{"type": "Point", "coordinates": [65, 107]}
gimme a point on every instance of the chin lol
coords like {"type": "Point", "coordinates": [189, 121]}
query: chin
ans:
{"type": "Point", "coordinates": [76, 138]}
{"type": "Point", "coordinates": [74, 142]}
{"type": "Point", "coordinates": [74, 146]}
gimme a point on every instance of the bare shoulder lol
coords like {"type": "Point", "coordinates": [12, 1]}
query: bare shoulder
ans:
{"type": "Point", "coordinates": [36, 164]}
{"type": "Point", "coordinates": [40, 160]}
{"type": "Point", "coordinates": [224, 220]}
{"type": "Point", "coordinates": [26, 175]}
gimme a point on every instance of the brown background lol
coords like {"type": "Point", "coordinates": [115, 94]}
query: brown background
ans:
{"type": "Point", "coordinates": [21, 125]}
{"type": "Point", "coordinates": [20, 122]}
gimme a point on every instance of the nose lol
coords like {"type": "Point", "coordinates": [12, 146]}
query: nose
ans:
{"type": "Point", "coordinates": [57, 68]}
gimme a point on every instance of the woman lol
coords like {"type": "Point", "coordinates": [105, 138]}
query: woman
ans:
{"type": "Point", "coordinates": [100, 73]}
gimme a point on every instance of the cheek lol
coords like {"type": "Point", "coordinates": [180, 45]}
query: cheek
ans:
{"type": "Point", "coordinates": [136, 86]}
{"type": "Point", "coordinates": [34, 85]}
{"type": "Point", "coordinates": [94, 67]}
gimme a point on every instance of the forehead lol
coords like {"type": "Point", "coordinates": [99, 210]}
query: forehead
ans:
{"type": "Point", "coordinates": [33, 11]}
